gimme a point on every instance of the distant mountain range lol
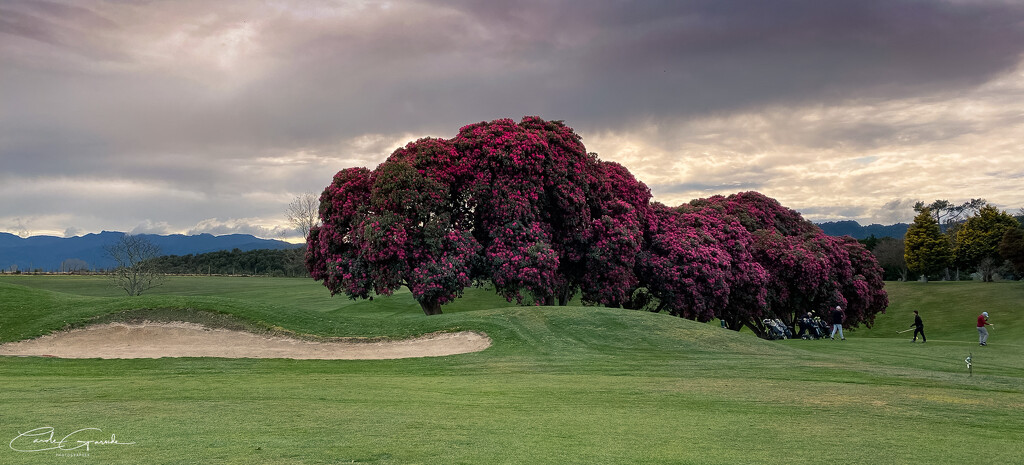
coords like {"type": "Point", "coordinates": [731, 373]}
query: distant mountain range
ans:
{"type": "Point", "coordinates": [47, 253]}
{"type": "Point", "coordinates": [855, 230]}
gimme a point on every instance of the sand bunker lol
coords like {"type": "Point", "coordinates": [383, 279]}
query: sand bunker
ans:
{"type": "Point", "coordinates": [155, 340]}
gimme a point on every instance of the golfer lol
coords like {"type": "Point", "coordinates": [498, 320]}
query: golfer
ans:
{"type": "Point", "coordinates": [918, 328]}
{"type": "Point", "coordinates": [837, 323]}
{"type": "Point", "coordinates": [982, 331]}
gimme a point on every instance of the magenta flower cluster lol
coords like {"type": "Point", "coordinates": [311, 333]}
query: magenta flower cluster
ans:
{"type": "Point", "coordinates": [525, 207]}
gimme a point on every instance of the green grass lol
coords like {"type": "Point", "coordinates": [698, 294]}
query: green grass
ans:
{"type": "Point", "coordinates": [559, 385]}
{"type": "Point", "coordinates": [950, 309]}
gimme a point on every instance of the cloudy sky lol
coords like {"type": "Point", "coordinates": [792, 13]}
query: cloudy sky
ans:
{"type": "Point", "coordinates": [198, 116]}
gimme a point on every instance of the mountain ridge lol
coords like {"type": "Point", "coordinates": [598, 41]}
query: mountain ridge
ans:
{"type": "Point", "coordinates": [857, 231]}
{"type": "Point", "coordinates": [47, 253]}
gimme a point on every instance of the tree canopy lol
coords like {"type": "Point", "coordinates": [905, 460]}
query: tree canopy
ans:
{"type": "Point", "coordinates": [947, 213]}
{"type": "Point", "coordinates": [1012, 248]}
{"type": "Point", "coordinates": [525, 207]}
{"type": "Point", "coordinates": [927, 251]}
{"type": "Point", "coordinates": [265, 262]}
{"type": "Point", "coordinates": [977, 240]}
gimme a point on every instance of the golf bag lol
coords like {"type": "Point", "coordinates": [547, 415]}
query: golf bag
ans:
{"type": "Point", "coordinates": [787, 329]}
{"type": "Point", "coordinates": [806, 325]}
{"type": "Point", "coordinates": [775, 329]}
{"type": "Point", "coordinates": [821, 328]}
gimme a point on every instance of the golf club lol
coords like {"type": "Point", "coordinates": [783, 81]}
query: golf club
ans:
{"type": "Point", "coordinates": [905, 330]}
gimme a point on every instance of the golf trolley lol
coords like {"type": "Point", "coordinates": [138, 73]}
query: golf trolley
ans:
{"type": "Point", "coordinates": [813, 328]}
{"type": "Point", "coordinates": [775, 329]}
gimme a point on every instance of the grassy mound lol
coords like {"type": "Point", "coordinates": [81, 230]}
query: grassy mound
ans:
{"type": "Point", "coordinates": [266, 305]}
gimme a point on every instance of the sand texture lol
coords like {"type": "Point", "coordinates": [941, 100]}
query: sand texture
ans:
{"type": "Point", "coordinates": [179, 339]}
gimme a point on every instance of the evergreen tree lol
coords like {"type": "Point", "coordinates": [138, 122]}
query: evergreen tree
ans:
{"type": "Point", "coordinates": [927, 250]}
{"type": "Point", "coordinates": [977, 240]}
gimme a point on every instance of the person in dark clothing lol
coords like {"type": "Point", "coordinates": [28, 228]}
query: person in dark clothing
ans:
{"type": "Point", "coordinates": [837, 323]}
{"type": "Point", "coordinates": [919, 328]}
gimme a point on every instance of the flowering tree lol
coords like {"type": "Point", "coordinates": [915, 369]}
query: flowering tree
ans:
{"type": "Point", "coordinates": [619, 207]}
{"type": "Point", "coordinates": [864, 291]}
{"type": "Point", "coordinates": [415, 233]}
{"type": "Point", "coordinates": [524, 206]}
{"type": "Point", "coordinates": [804, 273]}
{"type": "Point", "coordinates": [332, 253]}
{"type": "Point", "coordinates": [748, 279]}
{"type": "Point", "coordinates": [804, 269]}
{"type": "Point", "coordinates": [529, 200]}
{"type": "Point", "coordinates": [755, 211]}
{"type": "Point", "coordinates": [685, 265]}
{"type": "Point", "coordinates": [407, 226]}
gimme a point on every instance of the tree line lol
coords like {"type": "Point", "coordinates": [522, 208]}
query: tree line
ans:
{"type": "Point", "coordinates": [141, 266]}
{"type": "Point", "coordinates": [260, 262]}
{"type": "Point", "coordinates": [949, 241]}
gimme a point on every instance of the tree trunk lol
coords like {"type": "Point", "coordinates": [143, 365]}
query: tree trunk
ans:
{"type": "Point", "coordinates": [431, 307]}
{"type": "Point", "coordinates": [758, 330]}
{"type": "Point", "coordinates": [563, 295]}
{"type": "Point", "coordinates": [549, 301]}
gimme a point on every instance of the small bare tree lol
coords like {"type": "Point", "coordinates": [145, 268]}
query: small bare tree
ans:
{"type": "Point", "coordinates": [304, 212]}
{"type": "Point", "coordinates": [987, 269]}
{"type": "Point", "coordinates": [135, 270]}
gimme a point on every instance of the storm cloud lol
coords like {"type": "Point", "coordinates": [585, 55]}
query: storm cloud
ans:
{"type": "Point", "coordinates": [211, 116]}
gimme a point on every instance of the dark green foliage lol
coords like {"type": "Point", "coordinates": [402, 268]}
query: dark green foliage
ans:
{"type": "Point", "coordinates": [927, 251]}
{"type": "Point", "coordinates": [261, 262]}
{"type": "Point", "coordinates": [870, 242]}
{"type": "Point", "coordinates": [1011, 247]}
{"type": "Point", "coordinates": [947, 213]}
{"type": "Point", "coordinates": [977, 240]}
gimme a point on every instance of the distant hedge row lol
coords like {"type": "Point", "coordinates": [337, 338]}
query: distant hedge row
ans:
{"type": "Point", "coordinates": [261, 262]}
